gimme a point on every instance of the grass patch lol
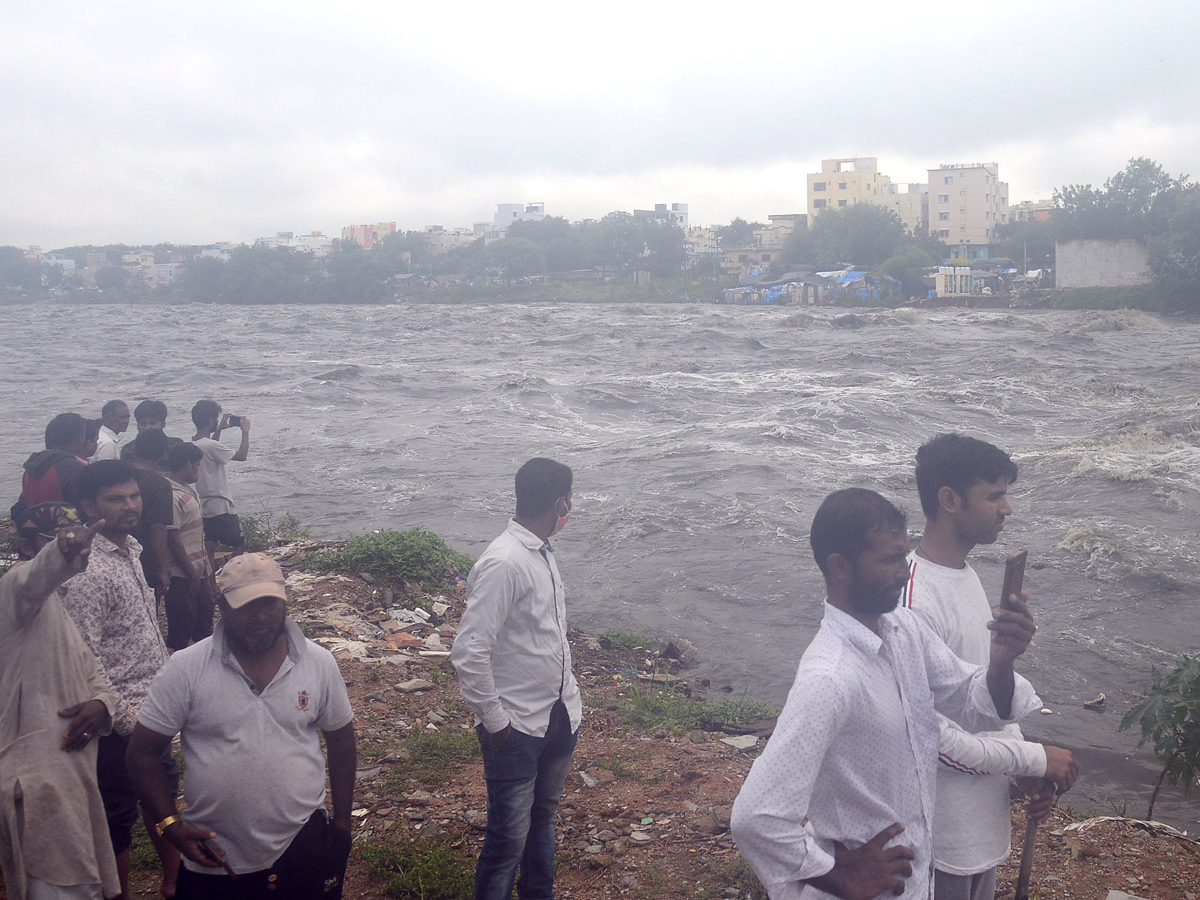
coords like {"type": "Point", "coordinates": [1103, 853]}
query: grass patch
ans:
{"type": "Point", "coordinates": [263, 531]}
{"type": "Point", "coordinates": [430, 756]}
{"type": "Point", "coordinates": [666, 709]}
{"type": "Point", "coordinates": [620, 640]}
{"type": "Point", "coordinates": [395, 557]}
{"type": "Point", "coordinates": [434, 868]}
{"type": "Point", "coordinates": [142, 855]}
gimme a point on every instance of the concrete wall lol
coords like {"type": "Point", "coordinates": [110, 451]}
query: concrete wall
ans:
{"type": "Point", "coordinates": [1100, 264]}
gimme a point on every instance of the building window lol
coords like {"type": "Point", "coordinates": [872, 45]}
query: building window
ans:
{"type": "Point", "coordinates": [841, 186]}
{"type": "Point", "coordinates": [962, 193]}
{"type": "Point", "coordinates": [818, 204]}
{"type": "Point", "coordinates": [962, 227]}
{"type": "Point", "coordinates": [841, 203]}
{"type": "Point", "coordinates": [944, 217]}
{"type": "Point", "coordinates": [962, 211]}
{"type": "Point", "coordinates": [987, 216]}
{"type": "Point", "coordinates": [943, 198]}
{"type": "Point", "coordinates": [945, 232]}
{"type": "Point", "coordinates": [987, 198]}
{"type": "Point", "coordinates": [818, 185]}
{"type": "Point", "coordinates": [949, 179]}
{"type": "Point", "coordinates": [766, 257]}
{"type": "Point", "coordinates": [743, 259]}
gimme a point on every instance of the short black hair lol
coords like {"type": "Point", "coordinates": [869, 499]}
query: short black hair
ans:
{"type": "Point", "coordinates": [91, 429]}
{"type": "Point", "coordinates": [204, 412]}
{"type": "Point", "coordinates": [957, 461]}
{"type": "Point", "coordinates": [110, 408]}
{"type": "Point", "coordinates": [844, 520]}
{"type": "Point", "coordinates": [539, 484]}
{"type": "Point", "coordinates": [182, 454]}
{"type": "Point", "coordinates": [104, 473]}
{"type": "Point", "coordinates": [64, 430]}
{"type": "Point", "coordinates": [150, 409]}
{"type": "Point", "coordinates": [150, 445]}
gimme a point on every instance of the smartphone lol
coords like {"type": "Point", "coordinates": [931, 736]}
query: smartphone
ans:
{"type": "Point", "coordinates": [210, 850]}
{"type": "Point", "coordinates": [235, 421]}
{"type": "Point", "coordinates": [1014, 576]}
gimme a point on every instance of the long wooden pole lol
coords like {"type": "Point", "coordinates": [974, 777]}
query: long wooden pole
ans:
{"type": "Point", "coordinates": [1027, 849]}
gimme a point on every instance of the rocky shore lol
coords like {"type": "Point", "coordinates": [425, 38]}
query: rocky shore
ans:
{"type": "Point", "coordinates": [646, 810]}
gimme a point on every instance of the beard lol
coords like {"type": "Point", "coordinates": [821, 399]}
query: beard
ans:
{"type": "Point", "coordinates": [874, 599]}
{"type": "Point", "coordinates": [255, 641]}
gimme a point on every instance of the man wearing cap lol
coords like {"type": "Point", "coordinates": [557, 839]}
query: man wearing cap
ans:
{"type": "Point", "coordinates": [53, 702]}
{"type": "Point", "coordinates": [514, 671]}
{"type": "Point", "coordinates": [250, 704]}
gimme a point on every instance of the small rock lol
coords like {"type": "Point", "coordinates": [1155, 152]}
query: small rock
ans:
{"type": "Point", "coordinates": [1046, 711]}
{"type": "Point", "coordinates": [420, 798]}
{"type": "Point", "coordinates": [606, 836]}
{"type": "Point", "coordinates": [640, 836]}
{"type": "Point", "coordinates": [415, 684]}
{"type": "Point", "coordinates": [588, 779]}
{"type": "Point", "coordinates": [593, 848]}
{"type": "Point", "coordinates": [690, 806]}
{"type": "Point", "coordinates": [698, 737]}
{"type": "Point", "coordinates": [741, 741]}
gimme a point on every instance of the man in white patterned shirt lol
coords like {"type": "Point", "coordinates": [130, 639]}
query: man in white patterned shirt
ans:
{"type": "Point", "coordinates": [851, 764]}
{"type": "Point", "coordinates": [114, 610]}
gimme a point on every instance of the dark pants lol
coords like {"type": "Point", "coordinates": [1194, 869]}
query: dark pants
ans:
{"type": "Point", "coordinates": [116, 787]}
{"type": "Point", "coordinates": [311, 868]}
{"type": "Point", "coordinates": [525, 777]}
{"type": "Point", "coordinates": [188, 620]}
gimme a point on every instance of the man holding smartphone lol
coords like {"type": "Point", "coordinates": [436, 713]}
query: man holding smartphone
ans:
{"type": "Point", "coordinates": [221, 522]}
{"type": "Point", "coordinates": [963, 484]}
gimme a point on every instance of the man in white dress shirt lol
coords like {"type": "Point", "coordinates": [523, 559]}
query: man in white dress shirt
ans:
{"type": "Point", "coordinates": [514, 671]}
{"type": "Point", "coordinates": [841, 801]}
{"type": "Point", "coordinates": [963, 483]}
{"type": "Point", "coordinates": [114, 420]}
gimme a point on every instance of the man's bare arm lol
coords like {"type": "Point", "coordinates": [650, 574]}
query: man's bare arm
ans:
{"type": "Point", "coordinates": [1012, 629]}
{"type": "Point", "coordinates": [343, 761]}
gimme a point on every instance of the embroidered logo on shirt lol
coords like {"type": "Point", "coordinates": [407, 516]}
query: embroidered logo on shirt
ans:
{"type": "Point", "coordinates": [302, 701]}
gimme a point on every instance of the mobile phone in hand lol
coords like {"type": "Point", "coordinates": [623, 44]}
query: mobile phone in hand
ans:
{"type": "Point", "coordinates": [235, 421]}
{"type": "Point", "coordinates": [1014, 577]}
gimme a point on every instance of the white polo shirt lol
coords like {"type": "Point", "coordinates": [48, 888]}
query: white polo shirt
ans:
{"type": "Point", "coordinates": [255, 772]}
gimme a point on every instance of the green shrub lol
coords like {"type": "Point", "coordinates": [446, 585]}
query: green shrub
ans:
{"type": "Point", "coordinates": [1170, 717]}
{"type": "Point", "coordinates": [395, 557]}
{"type": "Point", "coordinates": [263, 531]}
{"type": "Point", "coordinates": [416, 868]}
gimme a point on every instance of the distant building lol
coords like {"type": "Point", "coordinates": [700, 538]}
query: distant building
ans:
{"type": "Point", "coordinates": [157, 274]}
{"type": "Point", "coordinates": [844, 182]}
{"type": "Point", "coordinates": [1031, 211]}
{"type": "Point", "coordinates": [1100, 264]}
{"type": "Point", "coordinates": [675, 213]}
{"type": "Point", "coordinates": [64, 263]}
{"type": "Point", "coordinates": [507, 213]}
{"type": "Point", "coordinates": [441, 240]}
{"type": "Point", "coordinates": [966, 204]}
{"type": "Point", "coordinates": [137, 258]}
{"type": "Point", "coordinates": [219, 251]}
{"type": "Point", "coordinates": [96, 260]}
{"type": "Point", "coordinates": [367, 236]}
{"type": "Point", "coordinates": [909, 201]}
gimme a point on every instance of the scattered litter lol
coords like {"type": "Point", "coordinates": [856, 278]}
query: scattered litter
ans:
{"type": "Point", "coordinates": [417, 616]}
{"type": "Point", "coordinates": [741, 741]}
{"type": "Point", "coordinates": [359, 813]}
{"type": "Point", "coordinates": [1097, 704]}
{"type": "Point", "coordinates": [587, 779]}
{"type": "Point", "coordinates": [1047, 711]}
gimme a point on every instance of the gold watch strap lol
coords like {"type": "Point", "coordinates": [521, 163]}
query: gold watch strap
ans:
{"type": "Point", "coordinates": [166, 823]}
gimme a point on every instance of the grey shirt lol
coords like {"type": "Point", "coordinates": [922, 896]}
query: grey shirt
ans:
{"type": "Point", "coordinates": [254, 770]}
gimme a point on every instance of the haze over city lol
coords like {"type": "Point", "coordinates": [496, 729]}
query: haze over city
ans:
{"type": "Point", "coordinates": [142, 123]}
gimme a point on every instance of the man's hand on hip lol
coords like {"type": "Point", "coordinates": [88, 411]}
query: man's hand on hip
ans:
{"type": "Point", "coordinates": [868, 871]}
{"type": "Point", "coordinates": [499, 737]}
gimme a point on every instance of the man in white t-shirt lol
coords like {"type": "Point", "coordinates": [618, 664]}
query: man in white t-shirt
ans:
{"type": "Point", "coordinates": [221, 523]}
{"type": "Point", "coordinates": [114, 420]}
{"type": "Point", "coordinates": [963, 483]}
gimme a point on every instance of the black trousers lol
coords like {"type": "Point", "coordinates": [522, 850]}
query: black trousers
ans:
{"type": "Point", "coordinates": [311, 868]}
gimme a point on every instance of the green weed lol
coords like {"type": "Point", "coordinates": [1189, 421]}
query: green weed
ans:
{"type": "Point", "coordinates": [432, 755]}
{"type": "Point", "coordinates": [620, 640]}
{"type": "Point", "coordinates": [263, 531]}
{"type": "Point", "coordinates": [395, 557]}
{"type": "Point", "coordinates": [665, 708]}
{"type": "Point", "coordinates": [420, 868]}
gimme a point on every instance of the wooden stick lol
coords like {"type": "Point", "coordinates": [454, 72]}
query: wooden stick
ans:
{"type": "Point", "coordinates": [1031, 827]}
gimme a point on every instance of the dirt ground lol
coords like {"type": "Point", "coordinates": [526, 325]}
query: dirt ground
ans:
{"type": "Point", "coordinates": [645, 815]}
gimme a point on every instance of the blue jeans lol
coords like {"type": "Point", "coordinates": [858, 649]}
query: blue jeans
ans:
{"type": "Point", "coordinates": [525, 777]}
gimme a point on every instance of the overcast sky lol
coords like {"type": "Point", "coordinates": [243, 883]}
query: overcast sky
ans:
{"type": "Point", "coordinates": [195, 123]}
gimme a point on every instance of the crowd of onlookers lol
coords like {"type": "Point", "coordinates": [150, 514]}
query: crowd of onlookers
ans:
{"type": "Point", "coordinates": [187, 510]}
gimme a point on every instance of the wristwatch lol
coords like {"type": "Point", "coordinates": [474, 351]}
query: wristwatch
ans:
{"type": "Point", "coordinates": [166, 823]}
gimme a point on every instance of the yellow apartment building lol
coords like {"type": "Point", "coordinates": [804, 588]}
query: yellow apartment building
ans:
{"type": "Point", "coordinates": [966, 204]}
{"type": "Point", "coordinates": [844, 182]}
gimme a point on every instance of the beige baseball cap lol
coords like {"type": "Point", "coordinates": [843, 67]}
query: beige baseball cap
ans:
{"type": "Point", "coordinates": [247, 577]}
